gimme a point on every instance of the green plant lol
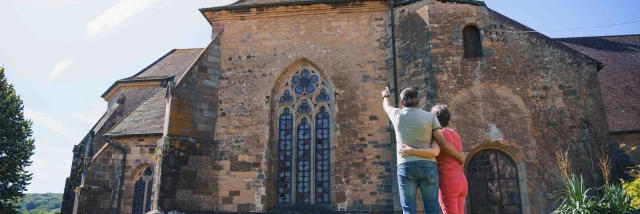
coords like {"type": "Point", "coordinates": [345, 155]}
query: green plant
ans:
{"type": "Point", "coordinates": [16, 147]}
{"type": "Point", "coordinates": [574, 198]}
{"type": "Point", "coordinates": [615, 200]}
{"type": "Point", "coordinates": [633, 190]}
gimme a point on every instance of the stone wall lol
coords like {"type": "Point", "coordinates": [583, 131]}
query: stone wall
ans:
{"type": "Point", "coordinates": [92, 199]}
{"type": "Point", "coordinates": [141, 153]}
{"type": "Point", "coordinates": [99, 182]}
{"type": "Point", "coordinates": [346, 43]}
{"type": "Point", "coordinates": [189, 156]}
{"type": "Point", "coordinates": [74, 179]}
{"type": "Point", "coordinates": [104, 174]}
{"type": "Point", "coordinates": [133, 94]}
{"type": "Point", "coordinates": [527, 95]}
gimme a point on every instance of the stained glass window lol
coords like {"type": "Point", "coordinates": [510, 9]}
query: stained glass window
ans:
{"type": "Point", "coordinates": [323, 96]}
{"type": "Point", "coordinates": [148, 201]}
{"type": "Point", "coordinates": [303, 195]}
{"type": "Point", "coordinates": [304, 140]}
{"type": "Point", "coordinates": [285, 157]}
{"type": "Point", "coordinates": [304, 107]}
{"type": "Point", "coordinates": [493, 183]}
{"type": "Point", "coordinates": [323, 131]}
{"type": "Point", "coordinates": [138, 197]}
{"type": "Point", "coordinates": [142, 192]}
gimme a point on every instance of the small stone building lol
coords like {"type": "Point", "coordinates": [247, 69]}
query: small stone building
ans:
{"type": "Point", "coordinates": [282, 111]}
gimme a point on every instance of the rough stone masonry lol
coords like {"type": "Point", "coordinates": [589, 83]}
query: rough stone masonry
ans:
{"type": "Point", "coordinates": [240, 125]}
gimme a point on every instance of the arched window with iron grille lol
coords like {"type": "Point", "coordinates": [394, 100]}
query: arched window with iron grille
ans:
{"type": "Point", "coordinates": [493, 183]}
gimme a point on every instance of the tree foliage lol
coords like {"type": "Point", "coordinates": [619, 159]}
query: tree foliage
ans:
{"type": "Point", "coordinates": [48, 203]}
{"type": "Point", "coordinates": [16, 147]}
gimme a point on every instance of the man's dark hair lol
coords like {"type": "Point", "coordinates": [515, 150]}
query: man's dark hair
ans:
{"type": "Point", "coordinates": [442, 113]}
{"type": "Point", "coordinates": [410, 97]}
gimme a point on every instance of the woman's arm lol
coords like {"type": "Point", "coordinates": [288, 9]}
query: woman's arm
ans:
{"type": "Point", "coordinates": [447, 147]}
{"type": "Point", "coordinates": [425, 153]}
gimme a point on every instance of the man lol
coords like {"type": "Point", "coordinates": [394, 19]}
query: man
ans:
{"type": "Point", "coordinates": [415, 128]}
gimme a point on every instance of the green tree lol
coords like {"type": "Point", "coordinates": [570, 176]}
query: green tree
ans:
{"type": "Point", "coordinates": [47, 203]}
{"type": "Point", "coordinates": [16, 147]}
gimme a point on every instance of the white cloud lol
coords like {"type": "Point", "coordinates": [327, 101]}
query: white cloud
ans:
{"type": "Point", "coordinates": [61, 66]}
{"type": "Point", "coordinates": [83, 117]}
{"type": "Point", "coordinates": [116, 15]}
{"type": "Point", "coordinates": [40, 118]}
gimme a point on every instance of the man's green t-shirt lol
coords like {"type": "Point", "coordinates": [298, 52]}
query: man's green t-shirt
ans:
{"type": "Point", "coordinates": [414, 127]}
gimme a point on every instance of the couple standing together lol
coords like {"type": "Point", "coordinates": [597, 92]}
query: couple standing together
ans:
{"type": "Point", "coordinates": [420, 136]}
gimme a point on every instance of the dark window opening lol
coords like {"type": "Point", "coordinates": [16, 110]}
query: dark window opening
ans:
{"type": "Point", "coordinates": [142, 192]}
{"type": "Point", "coordinates": [493, 183]}
{"type": "Point", "coordinates": [472, 42]}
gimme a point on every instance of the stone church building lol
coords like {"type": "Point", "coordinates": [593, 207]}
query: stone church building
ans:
{"type": "Point", "coordinates": [282, 111]}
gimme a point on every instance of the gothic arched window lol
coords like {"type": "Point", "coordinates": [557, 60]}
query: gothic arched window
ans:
{"type": "Point", "coordinates": [493, 183]}
{"type": "Point", "coordinates": [472, 42]}
{"type": "Point", "coordinates": [304, 140]}
{"type": "Point", "coordinates": [142, 192]}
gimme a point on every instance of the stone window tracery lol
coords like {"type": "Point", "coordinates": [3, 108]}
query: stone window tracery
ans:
{"type": "Point", "coordinates": [304, 140]}
{"type": "Point", "coordinates": [493, 183]}
{"type": "Point", "coordinates": [142, 192]}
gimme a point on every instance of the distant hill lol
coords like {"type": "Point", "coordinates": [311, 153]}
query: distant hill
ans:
{"type": "Point", "coordinates": [48, 203]}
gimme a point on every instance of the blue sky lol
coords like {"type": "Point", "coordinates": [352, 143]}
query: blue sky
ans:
{"type": "Point", "coordinates": [61, 55]}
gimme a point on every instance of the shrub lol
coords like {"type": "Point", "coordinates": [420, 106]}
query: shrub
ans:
{"type": "Point", "coordinates": [575, 198]}
{"type": "Point", "coordinates": [633, 190]}
{"type": "Point", "coordinates": [615, 200]}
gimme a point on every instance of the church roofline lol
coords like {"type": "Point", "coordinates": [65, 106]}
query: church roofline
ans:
{"type": "Point", "coordinates": [308, 2]}
{"type": "Point", "coordinates": [236, 6]}
{"type": "Point", "coordinates": [154, 76]}
{"type": "Point", "coordinates": [607, 36]}
{"type": "Point", "coordinates": [170, 78]}
{"type": "Point", "coordinates": [276, 4]}
{"type": "Point", "coordinates": [551, 41]}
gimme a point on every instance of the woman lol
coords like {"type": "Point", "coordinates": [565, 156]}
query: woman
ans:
{"type": "Point", "coordinates": [453, 183]}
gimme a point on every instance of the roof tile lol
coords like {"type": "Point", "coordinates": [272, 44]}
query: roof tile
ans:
{"type": "Point", "coordinates": [619, 79]}
{"type": "Point", "coordinates": [147, 118]}
{"type": "Point", "coordinates": [176, 62]}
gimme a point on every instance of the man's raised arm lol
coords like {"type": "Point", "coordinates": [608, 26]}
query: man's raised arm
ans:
{"type": "Point", "coordinates": [385, 103]}
{"type": "Point", "coordinates": [446, 146]}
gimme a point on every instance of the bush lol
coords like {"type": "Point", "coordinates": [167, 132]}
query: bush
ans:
{"type": "Point", "coordinates": [615, 200]}
{"type": "Point", "coordinates": [633, 190]}
{"type": "Point", "coordinates": [575, 198]}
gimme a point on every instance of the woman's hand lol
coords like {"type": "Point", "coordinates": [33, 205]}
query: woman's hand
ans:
{"type": "Point", "coordinates": [405, 150]}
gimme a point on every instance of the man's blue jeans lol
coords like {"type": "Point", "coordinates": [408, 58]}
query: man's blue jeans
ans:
{"type": "Point", "coordinates": [419, 174]}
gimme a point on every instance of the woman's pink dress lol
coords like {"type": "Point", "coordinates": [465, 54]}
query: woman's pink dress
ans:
{"type": "Point", "coordinates": [453, 183]}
